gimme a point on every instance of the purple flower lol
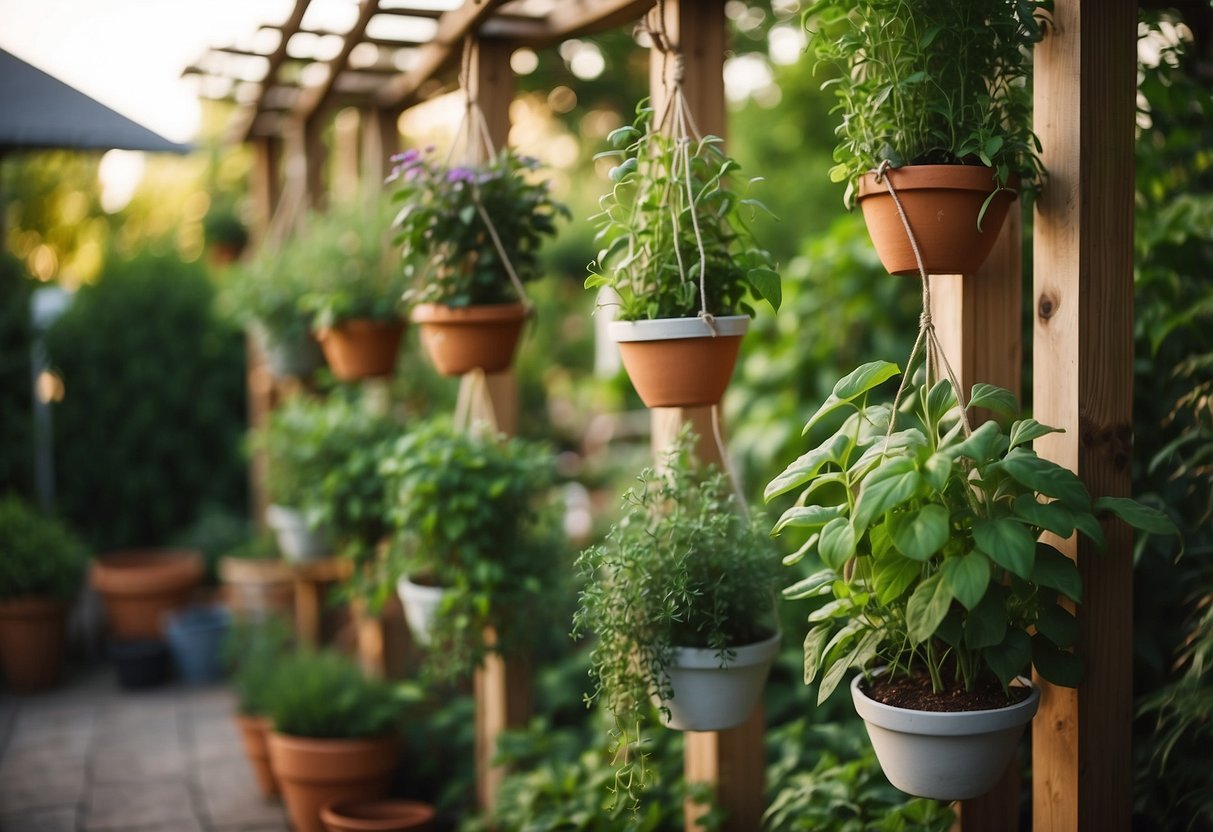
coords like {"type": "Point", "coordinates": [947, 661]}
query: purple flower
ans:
{"type": "Point", "coordinates": [406, 157]}
{"type": "Point", "coordinates": [460, 174]}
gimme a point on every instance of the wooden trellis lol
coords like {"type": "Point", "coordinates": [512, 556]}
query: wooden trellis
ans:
{"type": "Point", "coordinates": [1082, 335]}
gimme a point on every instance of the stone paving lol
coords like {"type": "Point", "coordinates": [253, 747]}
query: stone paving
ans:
{"type": "Point", "coordinates": [89, 757]}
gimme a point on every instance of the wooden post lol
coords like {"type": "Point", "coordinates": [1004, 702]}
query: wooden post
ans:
{"type": "Point", "coordinates": [380, 139]}
{"type": "Point", "coordinates": [1085, 84]}
{"type": "Point", "coordinates": [265, 183]}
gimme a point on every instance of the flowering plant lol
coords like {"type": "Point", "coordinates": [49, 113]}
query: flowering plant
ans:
{"type": "Point", "coordinates": [451, 215]}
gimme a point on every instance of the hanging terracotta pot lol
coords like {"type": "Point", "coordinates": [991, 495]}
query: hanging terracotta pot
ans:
{"type": "Point", "coordinates": [679, 362]}
{"type": "Point", "coordinates": [460, 340]}
{"type": "Point", "coordinates": [362, 348]}
{"type": "Point", "coordinates": [942, 204]}
{"type": "Point", "coordinates": [254, 734]}
{"type": "Point", "coordinates": [708, 697]}
{"type": "Point", "coordinates": [378, 816]}
{"type": "Point", "coordinates": [139, 586]}
{"type": "Point", "coordinates": [314, 773]}
{"type": "Point", "coordinates": [32, 632]}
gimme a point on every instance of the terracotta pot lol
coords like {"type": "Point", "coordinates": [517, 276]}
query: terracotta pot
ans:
{"type": "Point", "coordinates": [32, 632]}
{"type": "Point", "coordinates": [139, 586]}
{"type": "Point", "coordinates": [461, 340]}
{"type": "Point", "coordinates": [254, 734]}
{"type": "Point", "coordinates": [708, 697]}
{"type": "Point", "coordinates": [362, 348]}
{"type": "Point", "coordinates": [942, 203]}
{"type": "Point", "coordinates": [678, 362]}
{"type": "Point", "coordinates": [378, 816]}
{"type": "Point", "coordinates": [314, 773]}
{"type": "Point", "coordinates": [257, 588]}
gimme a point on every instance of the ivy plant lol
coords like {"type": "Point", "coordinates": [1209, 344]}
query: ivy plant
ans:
{"type": "Point", "coordinates": [930, 539]}
{"type": "Point", "coordinates": [39, 556]}
{"type": "Point", "coordinates": [931, 83]}
{"type": "Point", "coordinates": [653, 222]}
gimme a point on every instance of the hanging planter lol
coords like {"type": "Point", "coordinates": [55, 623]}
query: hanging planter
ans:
{"type": "Point", "coordinates": [708, 695]}
{"type": "Point", "coordinates": [297, 540]}
{"type": "Point", "coordinates": [361, 348]}
{"type": "Point", "coordinates": [680, 362]}
{"type": "Point", "coordinates": [944, 205]}
{"type": "Point", "coordinates": [291, 354]}
{"type": "Point", "coordinates": [421, 603]}
{"type": "Point", "coordinates": [460, 340]}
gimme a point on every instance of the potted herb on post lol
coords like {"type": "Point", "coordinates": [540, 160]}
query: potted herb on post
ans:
{"type": "Point", "coordinates": [470, 236]}
{"type": "Point", "coordinates": [943, 595]}
{"type": "Point", "coordinates": [935, 106]}
{"type": "Point", "coordinates": [681, 258]}
{"type": "Point", "coordinates": [41, 568]}
{"type": "Point", "coordinates": [681, 599]}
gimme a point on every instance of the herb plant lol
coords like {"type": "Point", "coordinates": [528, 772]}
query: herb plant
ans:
{"type": "Point", "coordinates": [252, 650]}
{"type": "Point", "coordinates": [930, 540]}
{"type": "Point", "coordinates": [451, 257]}
{"type": "Point", "coordinates": [325, 696]}
{"type": "Point", "coordinates": [931, 83]}
{"type": "Point", "coordinates": [39, 556]}
{"type": "Point", "coordinates": [648, 224]}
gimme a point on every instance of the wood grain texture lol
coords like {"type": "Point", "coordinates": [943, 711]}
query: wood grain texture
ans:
{"type": "Point", "coordinates": [1083, 358]}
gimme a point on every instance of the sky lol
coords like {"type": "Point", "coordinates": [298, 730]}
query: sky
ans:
{"type": "Point", "coordinates": [128, 54]}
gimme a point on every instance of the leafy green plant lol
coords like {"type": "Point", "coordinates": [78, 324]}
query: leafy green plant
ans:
{"type": "Point", "coordinates": [472, 515]}
{"type": "Point", "coordinates": [683, 567]}
{"type": "Point", "coordinates": [38, 554]}
{"type": "Point", "coordinates": [671, 216]}
{"type": "Point", "coordinates": [266, 293]}
{"type": "Point", "coordinates": [325, 696]}
{"type": "Point", "coordinates": [930, 539]}
{"type": "Point", "coordinates": [931, 83]}
{"type": "Point", "coordinates": [450, 254]}
{"type": "Point", "coordinates": [252, 650]}
{"type": "Point", "coordinates": [222, 226]}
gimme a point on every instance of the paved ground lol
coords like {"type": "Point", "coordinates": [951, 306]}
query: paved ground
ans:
{"type": "Point", "coordinates": [89, 756]}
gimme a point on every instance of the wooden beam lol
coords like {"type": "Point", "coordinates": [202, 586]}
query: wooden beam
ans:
{"type": "Point", "coordinates": [453, 27]}
{"type": "Point", "coordinates": [571, 18]}
{"type": "Point", "coordinates": [1085, 86]}
{"type": "Point", "coordinates": [314, 99]}
{"type": "Point", "coordinates": [271, 73]}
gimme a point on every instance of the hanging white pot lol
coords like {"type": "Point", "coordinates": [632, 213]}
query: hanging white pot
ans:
{"type": "Point", "coordinates": [945, 755]}
{"type": "Point", "coordinates": [298, 542]}
{"type": "Point", "coordinates": [421, 605]}
{"type": "Point", "coordinates": [708, 697]}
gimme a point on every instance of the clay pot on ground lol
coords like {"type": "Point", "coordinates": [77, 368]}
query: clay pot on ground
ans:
{"type": "Point", "coordinates": [254, 735]}
{"type": "Point", "coordinates": [297, 540]}
{"type": "Point", "coordinates": [708, 697]}
{"type": "Point", "coordinates": [680, 362]}
{"type": "Point", "coordinates": [257, 588]}
{"type": "Point", "coordinates": [942, 204]}
{"type": "Point", "coordinates": [314, 773]}
{"type": "Point", "coordinates": [32, 632]}
{"type": "Point", "coordinates": [195, 636]}
{"type": "Point", "coordinates": [138, 587]}
{"type": "Point", "coordinates": [362, 348]}
{"type": "Point", "coordinates": [460, 340]}
{"type": "Point", "coordinates": [378, 816]}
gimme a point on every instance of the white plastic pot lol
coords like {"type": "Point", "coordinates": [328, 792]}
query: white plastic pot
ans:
{"type": "Point", "coordinates": [954, 755]}
{"type": "Point", "coordinates": [665, 329]}
{"type": "Point", "coordinates": [708, 697]}
{"type": "Point", "coordinates": [296, 540]}
{"type": "Point", "coordinates": [420, 604]}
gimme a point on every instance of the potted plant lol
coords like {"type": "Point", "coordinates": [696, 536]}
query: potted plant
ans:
{"type": "Point", "coordinates": [334, 734]}
{"type": "Point", "coordinates": [257, 583]}
{"type": "Point", "coordinates": [354, 293]}
{"type": "Point", "coordinates": [195, 637]}
{"type": "Point", "coordinates": [41, 567]}
{"type": "Point", "coordinates": [941, 98]}
{"type": "Point", "coordinates": [378, 816]}
{"type": "Point", "coordinates": [252, 650]}
{"type": "Point", "coordinates": [942, 593]}
{"type": "Point", "coordinates": [470, 237]}
{"type": "Point", "coordinates": [474, 539]}
{"type": "Point", "coordinates": [680, 257]}
{"type": "Point", "coordinates": [681, 598]}
{"type": "Point", "coordinates": [139, 586]}
{"type": "Point", "coordinates": [224, 232]}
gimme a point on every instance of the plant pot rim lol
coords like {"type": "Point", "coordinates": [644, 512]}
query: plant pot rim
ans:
{"type": "Point", "coordinates": [437, 313]}
{"type": "Point", "coordinates": [945, 723]}
{"type": "Point", "coordinates": [934, 177]}
{"type": "Point", "coordinates": [394, 811]}
{"type": "Point", "coordinates": [234, 569]}
{"type": "Point", "coordinates": [390, 324]}
{"type": "Point", "coordinates": [296, 742]}
{"type": "Point", "coordinates": [667, 329]}
{"type": "Point", "coordinates": [407, 581]}
{"type": "Point", "coordinates": [745, 655]}
{"type": "Point", "coordinates": [144, 571]}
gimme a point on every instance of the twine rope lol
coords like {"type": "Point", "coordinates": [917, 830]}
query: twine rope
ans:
{"type": "Point", "coordinates": [474, 408]}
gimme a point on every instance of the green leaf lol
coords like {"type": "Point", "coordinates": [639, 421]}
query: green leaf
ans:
{"type": "Point", "coordinates": [854, 384]}
{"type": "Point", "coordinates": [986, 624]}
{"type": "Point", "coordinates": [831, 678]}
{"type": "Point", "coordinates": [467, 213]}
{"type": "Point", "coordinates": [1056, 571]}
{"type": "Point", "coordinates": [617, 173]}
{"type": "Point", "coordinates": [807, 466]}
{"type": "Point", "coordinates": [1149, 520]}
{"type": "Point", "coordinates": [926, 608]}
{"type": "Point", "coordinates": [1058, 625]}
{"type": "Point", "coordinates": [1052, 516]}
{"type": "Point", "coordinates": [1010, 658]}
{"type": "Point", "coordinates": [1046, 477]}
{"type": "Point", "coordinates": [837, 543]}
{"type": "Point", "coordinates": [978, 446]}
{"type": "Point", "coordinates": [892, 575]}
{"type": "Point", "coordinates": [886, 488]}
{"type": "Point", "coordinates": [967, 577]}
{"type": "Point", "coordinates": [1089, 526]}
{"type": "Point", "coordinates": [1026, 430]}
{"type": "Point", "coordinates": [994, 398]}
{"type": "Point", "coordinates": [813, 644]}
{"type": "Point", "coordinates": [936, 470]}
{"type": "Point", "coordinates": [940, 400]}
{"type": "Point", "coordinates": [1058, 666]}
{"type": "Point", "coordinates": [918, 534]}
{"type": "Point", "coordinates": [806, 517]}
{"type": "Point", "coordinates": [796, 557]}
{"type": "Point", "coordinates": [767, 286]}
{"type": "Point", "coordinates": [809, 586]}
{"type": "Point", "coordinates": [1007, 542]}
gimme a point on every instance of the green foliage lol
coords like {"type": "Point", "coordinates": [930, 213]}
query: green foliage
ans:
{"type": "Point", "coordinates": [681, 568]}
{"type": "Point", "coordinates": [149, 427]}
{"type": "Point", "coordinates": [325, 696]}
{"type": "Point", "coordinates": [252, 650]}
{"type": "Point", "coordinates": [215, 531]}
{"type": "Point", "coordinates": [671, 216]}
{"type": "Point", "coordinates": [929, 539]}
{"type": "Point", "coordinates": [265, 292]}
{"type": "Point", "coordinates": [38, 555]}
{"type": "Point", "coordinates": [222, 226]}
{"type": "Point", "coordinates": [471, 515]}
{"type": "Point", "coordinates": [930, 82]}
{"type": "Point", "coordinates": [16, 403]}
{"type": "Point", "coordinates": [450, 255]}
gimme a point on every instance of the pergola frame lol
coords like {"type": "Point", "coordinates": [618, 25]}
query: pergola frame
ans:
{"type": "Point", "coordinates": [1082, 351]}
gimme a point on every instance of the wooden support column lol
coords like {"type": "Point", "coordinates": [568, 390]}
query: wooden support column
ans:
{"type": "Point", "coordinates": [734, 761]}
{"type": "Point", "coordinates": [265, 183]}
{"type": "Point", "coordinates": [380, 140]}
{"type": "Point", "coordinates": [1085, 83]}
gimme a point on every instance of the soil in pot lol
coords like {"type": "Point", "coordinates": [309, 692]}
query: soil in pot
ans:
{"type": "Point", "coordinates": [314, 773]}
{"type": "Point", "coordinates": [196, 635]}
{"type": "Point", "coordinates": [378, 816]}
{"type": "Point", "coordinates": [459, 340]}
{"type": "Point", "coordinates": [914, 693]}
{"type": "Point", "coordinates": [141, 663]}
{"type": "Point", "coordinates": [362, 348]}
{"type": "Point", "coordinates": [254, 734]}
{"type": "Point", "coordinates": [709, 697]}
{"type": "Point", "coordinates": [139, 586]}
{"type": "Point", "coordinates": [678, 362]}
{"type": "Point", "coordinates": [32, 632]}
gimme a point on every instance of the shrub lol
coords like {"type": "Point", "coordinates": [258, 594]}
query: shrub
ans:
{"type": "Point", "coordinates": [38, 555]}
{"type": "Point", "coordinates": [325, 696]}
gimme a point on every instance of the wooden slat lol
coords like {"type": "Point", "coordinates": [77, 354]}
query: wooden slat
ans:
{"type": "Point", "coordinates": [571, 18]}
{"type": "Point", "coordinates": [1085, 76]}
{"type": "Point", "coordinates": [313, 99]}
{"type": "Point", "coordinates": [276, 60]}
